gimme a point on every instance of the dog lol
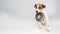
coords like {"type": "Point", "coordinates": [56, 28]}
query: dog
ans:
{"type": "Point", "coordinates": [41, 16]}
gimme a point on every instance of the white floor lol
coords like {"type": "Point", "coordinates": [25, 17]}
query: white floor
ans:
{"type": "Point", "coordinates": [14, 25]}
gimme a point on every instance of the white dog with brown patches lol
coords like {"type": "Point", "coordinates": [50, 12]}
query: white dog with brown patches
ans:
{"type": "Point", "coordinates": [41, 16]}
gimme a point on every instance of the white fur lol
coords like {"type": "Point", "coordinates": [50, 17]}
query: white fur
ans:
{"type": "Point", "coordinates": [45, 27]}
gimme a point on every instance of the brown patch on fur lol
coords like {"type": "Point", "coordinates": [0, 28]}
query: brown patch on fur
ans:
{"type": "Point", "coordinates": [39, 6]}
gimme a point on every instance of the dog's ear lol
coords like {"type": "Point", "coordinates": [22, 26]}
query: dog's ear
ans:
{"type": "Point", "coordinates": [43, 6]}
{"type": "Point", "coordinates": [35, 6]}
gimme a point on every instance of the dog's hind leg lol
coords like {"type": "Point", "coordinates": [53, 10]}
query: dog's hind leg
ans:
{"type": "Point", "coordinates": [45, 25]}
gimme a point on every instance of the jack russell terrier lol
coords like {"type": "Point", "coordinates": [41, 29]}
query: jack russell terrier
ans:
{"type": "Point", "coordinates": [41, 17]}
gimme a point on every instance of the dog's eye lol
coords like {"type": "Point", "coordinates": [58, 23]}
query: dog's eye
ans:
{"type": "Point", "coordinates": [39, 7]}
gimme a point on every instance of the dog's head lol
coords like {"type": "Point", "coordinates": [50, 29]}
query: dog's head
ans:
{"type": "Point", "coordinates": [39, 6]}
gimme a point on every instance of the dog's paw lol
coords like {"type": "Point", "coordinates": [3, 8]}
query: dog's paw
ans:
{"type": "Point", "coordinates": [47, 30]}
{"type": "Point", "coordinates": [39, 27]}
{"type": "Point", "coordinates": [48, 26]}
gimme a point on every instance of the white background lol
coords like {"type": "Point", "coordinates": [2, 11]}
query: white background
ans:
{"type": "Point", "coordinates": [17, 16]}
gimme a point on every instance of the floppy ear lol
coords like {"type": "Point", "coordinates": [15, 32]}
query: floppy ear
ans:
{"type": "Point", "coordinates": [35, 6]}
{"type": "Point", "coordinates": [43, 6]}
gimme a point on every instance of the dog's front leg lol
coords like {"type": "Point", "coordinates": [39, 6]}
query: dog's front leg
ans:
{"type": "Point", "coordinates": [39, 25]}
{"type": "Point", "coordinates": [46, 26]}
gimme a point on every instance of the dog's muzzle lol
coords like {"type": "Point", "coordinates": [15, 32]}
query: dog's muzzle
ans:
{"type": "Point", "coordinates": [39, 16]}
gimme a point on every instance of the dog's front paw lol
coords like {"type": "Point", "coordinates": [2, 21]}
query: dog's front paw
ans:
{"type": "Point", "coordinates": [48, 26]}
{"type": "Point", "coordinates": [47, 30]}
{"type": "Point", "coordinates": [39, 27]}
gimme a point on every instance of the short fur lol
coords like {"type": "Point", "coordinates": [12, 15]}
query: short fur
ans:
{"type": "Point", "coordinates": [42, 23]}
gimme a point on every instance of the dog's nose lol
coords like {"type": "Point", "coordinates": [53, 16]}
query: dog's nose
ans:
{"type": "Point", "coordinates": [36, 11]}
